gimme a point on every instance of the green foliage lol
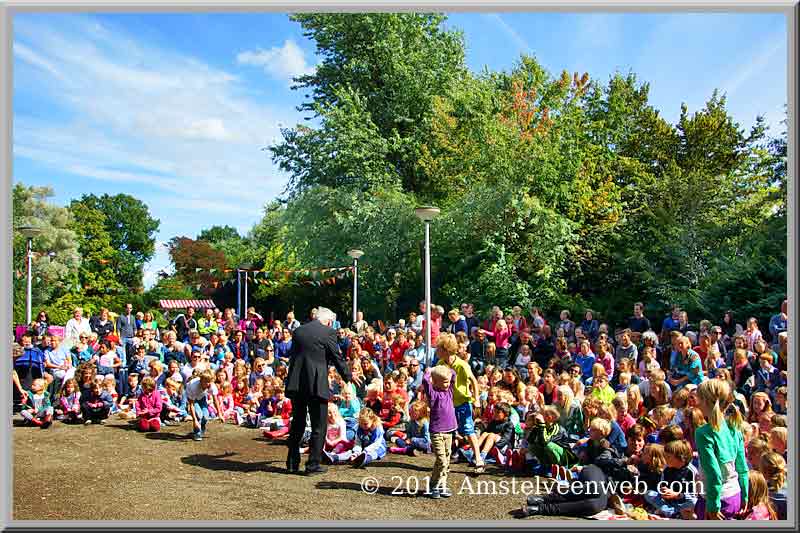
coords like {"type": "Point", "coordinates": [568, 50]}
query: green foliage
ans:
{"type": "Point", "coordinates": [373, 92]}
{"type": "Point", "coordinates": [131, 230]}
{"type": "Point", "coordinates": [98, 258]}
{"type": "Point", "coordinates": [555, 191]}
{"type": "Point", "coordinates": [52, 274]}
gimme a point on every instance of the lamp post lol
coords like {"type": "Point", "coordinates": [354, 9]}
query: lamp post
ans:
{"type": "Point", "coordinates": [29, 232]}
{"type": "Point", "coordinates": [426, 214]}
{"type": "Point", "coordinates": [356, 255]}
{"type": "Point", "coordinates": [244, 268]}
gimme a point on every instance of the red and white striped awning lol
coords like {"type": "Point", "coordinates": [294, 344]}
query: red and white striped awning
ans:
{"type": "Point", "coordinates": [183, 304]}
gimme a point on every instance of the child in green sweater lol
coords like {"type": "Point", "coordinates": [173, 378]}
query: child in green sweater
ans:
{"type": "Point", "coordinates": [720, 447]}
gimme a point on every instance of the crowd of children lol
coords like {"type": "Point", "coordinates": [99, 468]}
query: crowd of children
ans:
{"type": "Point", "coordinates": [696, 413]}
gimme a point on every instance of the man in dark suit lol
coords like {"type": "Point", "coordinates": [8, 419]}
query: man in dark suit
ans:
{"type": "Point", "coordinates": [314, 348]}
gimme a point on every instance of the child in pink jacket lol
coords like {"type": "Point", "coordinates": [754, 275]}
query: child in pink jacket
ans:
{"type": "Point", "coordinates": [148, 406]}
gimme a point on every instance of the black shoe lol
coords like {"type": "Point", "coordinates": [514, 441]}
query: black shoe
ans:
{"type": "Point", "coordinates": [531, 510]}
{"type": "Point", "coordinates": [433, 494]}
{"type": "Point", "coordinates": [360, 458]}
{"type": "Point", "coordinates": [292, 467]}
{"type": "Point", "coordinates": [535, 500]}
{"type": "Point", "coordinates": [316, 470]}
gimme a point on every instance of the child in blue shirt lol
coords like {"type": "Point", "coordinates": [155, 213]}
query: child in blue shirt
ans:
{"type": "Point", "coordinates": [369, 445]}
{"type": "Point", "coordinates": [417, 436]}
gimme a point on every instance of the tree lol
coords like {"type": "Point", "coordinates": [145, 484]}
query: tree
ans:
{"type": "Point", "coordinates": [197, 264]}
{"type": "Point", "coordinates": [385, 68]}
{"type": "Point", "coordinates": [131, 229]}
{"type": "Point", "coordinates": [97, 273]}
{"type": "Point", "coordinates": [216, 234]}
{"type": "Point", "coordinates": [56, 259]}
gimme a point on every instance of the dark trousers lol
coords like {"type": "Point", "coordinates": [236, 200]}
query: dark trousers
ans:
{"type": "Point", "coordinates": [585, 502]}
{"type": "Point", "coordinates": [317, 410]}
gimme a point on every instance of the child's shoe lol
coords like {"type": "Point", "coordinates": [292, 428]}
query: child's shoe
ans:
{"type": "Point", "coordinates": [412, 452]}
{"type": "Point", "coordinates": [397, 449]}
{"type": "Point", "coordinates": [327, 458]}
{"type": "Point", "coordinates": [47, 422]}
{"type": "Point", "coordinates": [87, 422]}
{"type": "Point", "coordinates": [495, 455]}
{"type": "Point", "coordinates": [358, 462]}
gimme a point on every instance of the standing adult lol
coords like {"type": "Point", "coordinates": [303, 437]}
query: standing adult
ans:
{"type": "Point", "coordinates": [126, 324]}
{"type": "Point", "coordinates": [76, 326]}
{"type": "Point", "coordinates": [638, 323]}
{"type": "Point", "coordinates": [184, 324]}
{"type": "Point", "coordinates": [360, 325]}
{"type": "Point", "coordinates": [251, 323]}
{"type": "Point", "coordinates": [314, 348]}
{"type": "Point", "coordinates": [101, 324]}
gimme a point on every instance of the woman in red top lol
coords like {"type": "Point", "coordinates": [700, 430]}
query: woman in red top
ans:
{"type": "Point", "coordinates": [398, 348]}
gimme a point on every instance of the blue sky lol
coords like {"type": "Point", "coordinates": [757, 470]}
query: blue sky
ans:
{"type": "Point", "coordinates": [175, 109]}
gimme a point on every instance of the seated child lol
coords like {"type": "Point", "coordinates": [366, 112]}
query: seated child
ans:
{"type": "Point", "coordinates": [68, 408]}
{"type": "Point", "coordinates": [777, 440]}
{"type": "Point", "coordinates": [37, 409]}
{"type": "Point", "coordinates": [336, 435]}
{"type": "Point", "coordinates": [548, 442]}
{"type": "Point", "coordinates": [500, 435]}
{"type": "Point", "coordinates": [392, 416]}
{"type": "Point", "coordinates": [676, 495]}
{"type": "Point", "coordinates": [278, 425]}
{"type": "Point", "coordinates": [373, 399]}
{"type": "Point", "coordinates": [148, 406]}
{"type": "Point", "coordinates": [127, 404]}
{"type": "Point", "coordinates": [228, 413]}
{"type": "Point", "coordinates": [174, 406]}
{"type": "Point", "coordinates": [624, 419]}
{"type": "Point", "coordinates": [417, 435]}
{"type": "Point", "coordinates": [758, 502]}
{"type": "Point", "coordinates": [110, 386]}
{"type": "Point", "coordinates": [369, 445]}
{"type": "Point", "coordinates": [96, 405]}
{"type": "Point", "coordinates": [602, 390]}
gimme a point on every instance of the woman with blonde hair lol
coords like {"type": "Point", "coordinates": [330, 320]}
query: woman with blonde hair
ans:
{"type": "Point", "coordinates": [720, 447]}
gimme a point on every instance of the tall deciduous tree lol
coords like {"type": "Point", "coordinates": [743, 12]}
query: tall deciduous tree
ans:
{"type": "Point", "coordinates": [131, 229]}
{"type": "Point", "coordinates": [56, 259]}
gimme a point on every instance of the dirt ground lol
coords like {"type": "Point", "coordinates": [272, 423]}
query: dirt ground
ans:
{"type": "Point", "coordinates": [114, 472]}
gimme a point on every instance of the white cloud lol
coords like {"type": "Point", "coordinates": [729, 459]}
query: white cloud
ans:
{"type": "Point", "coordinates": [281, 62]}
{"type": "Point", "coordinates": [141, 115]}
{"type": "Point", "coordinates": [182, 135]}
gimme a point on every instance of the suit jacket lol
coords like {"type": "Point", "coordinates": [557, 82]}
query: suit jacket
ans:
{"type": "Point", "coordinates": [126, 327]}
{"type": "Point", "coordinates": [314, 348]}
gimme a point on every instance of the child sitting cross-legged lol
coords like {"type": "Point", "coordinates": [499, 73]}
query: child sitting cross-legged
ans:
{"type": "Point", "coordinates": [69, 402]}
{"type": "Point", "coordinates": [369, 445]}
{"type": "Point", "coordinates": [417, 435]}
{"type": "Point", "coordinates": [676, 491]}
{"type": "Point", "coordinates": [37, 410]}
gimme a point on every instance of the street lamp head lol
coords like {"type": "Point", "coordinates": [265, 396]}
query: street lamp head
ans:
{"type": "Point", "coordinates": [427, 213]}
{"type": "Point", "coordinates": [355, 254]}
{"type": "Point", "coordinates": [30, 231]}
